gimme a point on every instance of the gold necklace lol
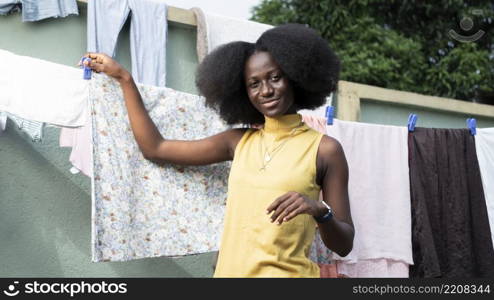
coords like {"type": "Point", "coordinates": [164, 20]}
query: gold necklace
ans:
{"type": "Point", "coordinates": [268, 156]}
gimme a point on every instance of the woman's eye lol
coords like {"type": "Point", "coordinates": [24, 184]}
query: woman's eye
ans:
{"type": "Point", "coordinates": [253, 85]}
{"type": "Point", "coordinates": [275, 78]}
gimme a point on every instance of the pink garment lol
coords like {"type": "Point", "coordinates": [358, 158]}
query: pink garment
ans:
{"type": "Point", "coordinates": [80, 141]}
{"type": "Point", "coordinates": [379, 191]}
{"type": "Point", "coordinates": [315, 123]}
{"type": "Point", "coordinates": [373, 268]}
{"type": "Point", "coordinates": [330, 271]}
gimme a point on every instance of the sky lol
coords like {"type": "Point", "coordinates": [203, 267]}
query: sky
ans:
{"type": "Point", "coordinates": [239, 9]}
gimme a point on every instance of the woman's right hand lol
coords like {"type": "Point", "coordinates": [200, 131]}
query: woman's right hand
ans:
{"type": "Point", "coordinates": [101, 62]}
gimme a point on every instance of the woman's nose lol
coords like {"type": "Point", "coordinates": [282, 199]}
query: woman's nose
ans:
{"type": "Point", "coordinates": [266, 90]}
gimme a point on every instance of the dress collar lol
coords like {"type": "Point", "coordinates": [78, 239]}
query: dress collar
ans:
{"type": "Point", "coordinates": [282, 123]}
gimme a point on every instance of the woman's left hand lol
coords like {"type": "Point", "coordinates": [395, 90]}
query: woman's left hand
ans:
{"type": "Point", "coordinates": [291, 204]}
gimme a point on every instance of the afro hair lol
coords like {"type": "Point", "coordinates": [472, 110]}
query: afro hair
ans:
{"type": "Point", "coordinates": [303, 56]}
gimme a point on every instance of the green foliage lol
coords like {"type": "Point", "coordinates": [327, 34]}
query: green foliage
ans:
{"type": "Point", "coordinates": [461, 73]}
{"type": "Point", "coordinates": [401, 44]}
{"type": "Point", "coordinates": [385, 60]}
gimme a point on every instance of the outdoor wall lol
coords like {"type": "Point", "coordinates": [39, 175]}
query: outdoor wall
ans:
{"type": "Point", "coordinates": [370, 104]}
{"type": "Point", "coordinates": [379, 113]}
{"type": "Point", "coordinates": [45, 214]}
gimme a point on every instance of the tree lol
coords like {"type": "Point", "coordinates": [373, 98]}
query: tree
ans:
{"type": "Point", "coordinates": [402, 44]}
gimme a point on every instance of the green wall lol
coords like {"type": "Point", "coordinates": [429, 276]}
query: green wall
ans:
{"type": "Point", "coordinates": [380, 113]}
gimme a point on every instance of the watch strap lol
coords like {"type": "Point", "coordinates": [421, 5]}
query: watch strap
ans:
{"type": "Point", "coordinates": [327, 216]}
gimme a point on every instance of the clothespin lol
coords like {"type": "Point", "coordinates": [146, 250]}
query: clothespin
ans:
{"type": "Point", "coordinates": [412, 120]}
{"type": "Point", "coordinates": [472, 125]}
{"type": "Point", "coordinates": [329, 114]}
{"type": "Point", "coordinates": [87, 70]}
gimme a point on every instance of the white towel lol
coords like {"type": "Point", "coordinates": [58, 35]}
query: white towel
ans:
{"type": "Point", "coordinates": [484, 144]}
{"type": "Point", "coordinates": [38, 90]}
{"type": "Point", "coordinates": [221, 30]}
{"type": "Point", "coordinates": [379, 190]}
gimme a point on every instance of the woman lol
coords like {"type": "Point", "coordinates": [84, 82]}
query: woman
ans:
{"type": "Point", "coordinates": [279, 167]}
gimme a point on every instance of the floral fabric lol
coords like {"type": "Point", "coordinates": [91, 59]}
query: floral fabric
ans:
{"type": "Point", "coordinates": [319, 253]}
{"type": "Point", "coordinates": [141, 209]}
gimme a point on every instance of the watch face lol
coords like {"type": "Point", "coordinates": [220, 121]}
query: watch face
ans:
{"type": "Point", "coordinates": [327, 206]}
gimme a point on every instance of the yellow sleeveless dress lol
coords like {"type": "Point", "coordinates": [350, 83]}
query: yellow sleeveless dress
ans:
{"type": "Point", "coordinates": [252, 246]}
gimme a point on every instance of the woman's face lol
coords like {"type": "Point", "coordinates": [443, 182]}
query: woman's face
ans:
{"type": "Point", "coordinates": [267, 87]}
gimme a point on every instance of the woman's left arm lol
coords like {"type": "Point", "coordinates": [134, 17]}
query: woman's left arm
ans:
{"type": "Point", "coordinates": [337, 233]}
{"type": "Point", "coordinates": [332, 174]}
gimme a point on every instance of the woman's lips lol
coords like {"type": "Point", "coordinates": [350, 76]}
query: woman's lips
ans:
{"type": "Point", "coordinates": [270, 103]}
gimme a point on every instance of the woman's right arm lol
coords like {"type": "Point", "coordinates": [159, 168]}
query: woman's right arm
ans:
{"type": "Point", "coordinates": [213, 149]}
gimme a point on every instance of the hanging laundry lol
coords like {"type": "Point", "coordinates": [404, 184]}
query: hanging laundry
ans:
{"type": "Point", "coordinates": [373, 268]}
{"type": "Point", "coordinates": [57, 94]}
{"type": "Point", "coordinates": [33, 10]}
{"type": "Point", "coordinates": [320, 111]}
{"type": "Point", "coordinates": [214, 30]}
{"type": "Point", "coordinates": [319, 253]}
{"type": "Point", "coordinates": [80, 140]}
{"type": "Point", "coordinates": [315, 122]}
{"type": "Point", "coordinates": [379, 193]}
{"type": "Point", "coordinates": [451, 234]}
{"type": "Point", "coordinates": [32, 128]}
{"type": "Point", "coordinates": [148, 33]}
{"type": "Point", "coordinates": [330, 271]}
{"type": "Point", "coordinates": [484, 145]}
{"type": "Point", "coordinates": [141, 209]}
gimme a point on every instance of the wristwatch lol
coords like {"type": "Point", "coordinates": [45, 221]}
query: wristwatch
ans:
{"type": "Point", "coordinates": [327, 216]}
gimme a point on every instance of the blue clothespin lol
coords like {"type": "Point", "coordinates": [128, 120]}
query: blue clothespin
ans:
{"type": "Point", "coordinates": [412, 120]}
{"type": "Point", "coordinates": [329, 114]}
{"type": "Point", "coordinates": [87, 70]}
{"type": "Point", "coordinates": [472, 125]}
